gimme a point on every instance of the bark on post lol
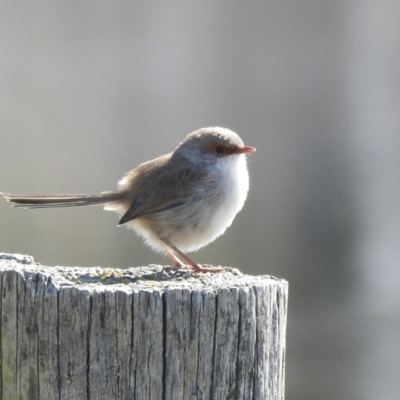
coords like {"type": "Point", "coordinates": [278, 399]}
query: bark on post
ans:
{"type": "Point", "coordinates": [140, 333]}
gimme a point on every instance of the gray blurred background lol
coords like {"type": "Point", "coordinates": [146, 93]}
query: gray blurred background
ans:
{"type": "Point", "coordinates": [88, 90]}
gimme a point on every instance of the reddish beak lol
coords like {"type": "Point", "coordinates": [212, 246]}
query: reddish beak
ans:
{"type": "Point", "coordinates": [245, 149]}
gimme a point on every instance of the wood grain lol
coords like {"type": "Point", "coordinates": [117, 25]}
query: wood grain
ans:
{"type": "Point", "coordinates": [139, 333]}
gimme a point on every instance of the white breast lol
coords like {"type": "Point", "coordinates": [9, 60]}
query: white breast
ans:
{"type": "Point", "coordinates": [236, 186]}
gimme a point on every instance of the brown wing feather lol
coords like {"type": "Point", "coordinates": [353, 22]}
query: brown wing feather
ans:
{"type": "Point", "coordinates": [158, 185]}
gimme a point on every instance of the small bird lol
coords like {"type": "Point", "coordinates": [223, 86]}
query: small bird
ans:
{"type": "Point", "coordinates": [178, 202]}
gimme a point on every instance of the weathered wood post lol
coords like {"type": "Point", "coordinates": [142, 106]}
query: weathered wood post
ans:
{"type": "Point", "coordinates": [140, 333]}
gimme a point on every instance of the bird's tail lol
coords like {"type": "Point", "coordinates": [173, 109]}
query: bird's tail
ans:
{"type": "Point", "coordinates": [63, 200]}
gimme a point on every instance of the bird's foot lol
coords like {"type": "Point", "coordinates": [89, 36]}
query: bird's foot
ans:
{"type": "Point", "coordinates": [192, 265]}
{"type": "Point", "coordinates": [205, 268]}
{"type": "Point", "coordinates": [196, 268]}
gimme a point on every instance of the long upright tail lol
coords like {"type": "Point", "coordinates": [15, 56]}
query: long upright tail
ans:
{"type": "Point", "coordinates": [63, 200]}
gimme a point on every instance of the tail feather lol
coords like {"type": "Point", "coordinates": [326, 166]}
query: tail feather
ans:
{"type": "Point", "coordinates": [64, 200]}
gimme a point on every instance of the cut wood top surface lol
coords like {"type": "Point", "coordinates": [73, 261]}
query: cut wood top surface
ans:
{"type": "Point", "coordinates": [147, 277]}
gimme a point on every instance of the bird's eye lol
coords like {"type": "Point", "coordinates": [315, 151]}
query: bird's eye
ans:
{"type": "Point", "coordinates": [219, 149]}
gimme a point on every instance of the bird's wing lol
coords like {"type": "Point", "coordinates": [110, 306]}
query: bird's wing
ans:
{"type": "Point", "coordinates": [165, 187]}
{"type": "Point", "coordinates": [137, 210]}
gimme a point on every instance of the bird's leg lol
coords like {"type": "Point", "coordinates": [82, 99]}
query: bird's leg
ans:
{"type": "Point", "coordinates": [177, 263]}
{"type": "Point", "coordinates": [175, 260]}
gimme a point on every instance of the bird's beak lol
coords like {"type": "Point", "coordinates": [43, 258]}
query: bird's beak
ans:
{"type": "Point", "coordinates": [245, 149]}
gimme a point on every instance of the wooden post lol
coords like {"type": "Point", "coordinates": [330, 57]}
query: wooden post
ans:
{"type": "Point", "coordinates": [139, 333]}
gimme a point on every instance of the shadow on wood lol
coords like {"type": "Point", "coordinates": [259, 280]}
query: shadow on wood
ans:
{"type": "Point", "coordinates": [140, 333]}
